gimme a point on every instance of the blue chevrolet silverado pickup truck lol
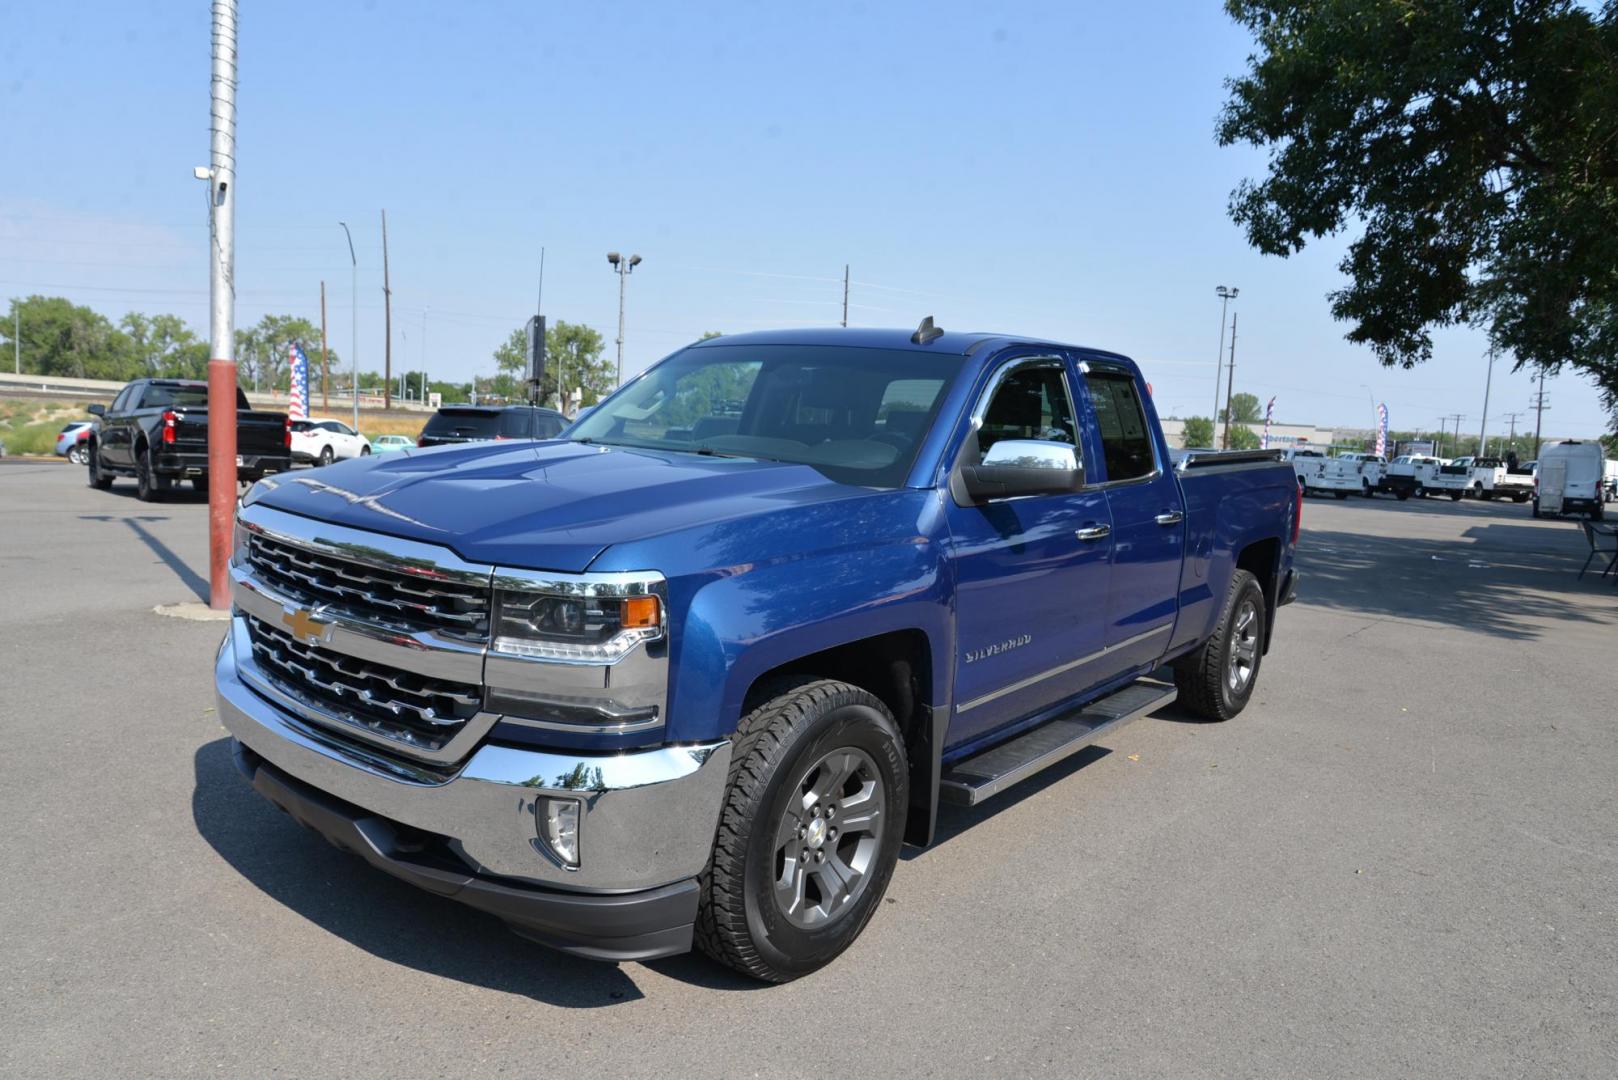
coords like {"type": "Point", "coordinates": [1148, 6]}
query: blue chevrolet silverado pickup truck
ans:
{"type": "Point", "coordinates": [695, 670]}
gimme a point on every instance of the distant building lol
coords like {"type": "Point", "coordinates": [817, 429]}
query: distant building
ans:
{"type": "Point", "coordinates": [1280, 434]}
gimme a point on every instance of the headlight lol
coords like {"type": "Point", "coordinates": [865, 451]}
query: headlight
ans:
{"type": "Point", "coordinates": [592, 621]}
{"type": "Point", "coordinates": [238, 543]}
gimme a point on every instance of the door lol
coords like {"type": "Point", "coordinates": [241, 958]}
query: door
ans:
{"type": "Point", "coordinates": [1031, 572]}
{"type": "Point", "coordinates": [118, 428]}
{"type": "Point", "coordinates": [1148, 520]}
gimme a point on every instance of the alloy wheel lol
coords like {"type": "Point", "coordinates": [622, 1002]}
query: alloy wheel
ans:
{"type": "Point", "coordinates": [1243, 647]}
{"type": "Point", "coordinates": [827, 842]}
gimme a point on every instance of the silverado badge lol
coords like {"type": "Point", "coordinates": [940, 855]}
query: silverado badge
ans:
{"type": "Point", "coordinates": [305, 625]}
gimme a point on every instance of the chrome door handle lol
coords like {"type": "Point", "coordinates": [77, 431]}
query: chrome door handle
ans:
{"type": "Point", "coordinates": [1091, 533]}
{"type": "Point", "coordinates": [1170, 517]}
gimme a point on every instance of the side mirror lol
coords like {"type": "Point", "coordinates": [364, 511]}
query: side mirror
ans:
{"type": "Point", "coordinates": [1015, 467]}
{"type": "Point", "coordinates": [96, 409]}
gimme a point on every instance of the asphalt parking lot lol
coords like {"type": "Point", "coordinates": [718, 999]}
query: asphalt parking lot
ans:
{"type": "Point", "coordinates": [1401, 860]}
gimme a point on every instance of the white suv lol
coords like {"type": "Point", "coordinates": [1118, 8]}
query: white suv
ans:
{"type": "Point", "coordinates": [320, 442]}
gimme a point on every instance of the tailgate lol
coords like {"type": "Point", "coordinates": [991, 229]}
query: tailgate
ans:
{"type": "Point", "coordinates": [261, 433]}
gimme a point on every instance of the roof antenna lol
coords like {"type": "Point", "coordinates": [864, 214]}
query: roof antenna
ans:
{"type": "Point", "coordinates": [927, 332]}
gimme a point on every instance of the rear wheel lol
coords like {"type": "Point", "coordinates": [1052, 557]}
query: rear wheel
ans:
{"type": "Point", "coordinates": [1341, 494]}
{"type": "Point", "coordinates": [325, 455]}
{"type": "Point", "coordinates": [1216, 681]}
{"type": "Point", "coordinates": [1455, 496]}
{"type": "Point", "coordinates": [1402, 494]}
{"type": "Point", "coordinates": [76, 454]}
{"type": "Point", "coordinates": [149, 487]}
{"type": "Point", "coordinates": [809, 831]}
{"type": "Point", "coordinates": [365, 451]}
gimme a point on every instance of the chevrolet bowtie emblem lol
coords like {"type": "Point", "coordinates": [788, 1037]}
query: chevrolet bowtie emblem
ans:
{"type": "Point", "coordinates": [305, 625]}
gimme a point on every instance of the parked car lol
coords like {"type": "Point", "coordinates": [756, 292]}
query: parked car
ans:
{"type": "Point", "coordinates": [1410, 474]}
{"type": "Point", "coordinates": [480, 423]}
{"type": "Point", "coordinates": [74, 439]}
{"type": "Point", "coordinates": [156, 430]}
{"type": "Point", "coordinates": [386, 444]}
{"type": "Point", "coordinates": [1453, 478]}
{"type": "Point", "coordinates": [631, 690]}
{"type": "Point", "coordinates": [1570, 479]}
{"type": "Point", "coordinates": [320, 442]}
{"type": "Point", "coordinates": [1493, 478]}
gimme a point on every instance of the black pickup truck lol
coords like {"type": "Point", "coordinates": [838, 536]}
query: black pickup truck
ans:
{"type": "Point", "coordinates": [156, 430]}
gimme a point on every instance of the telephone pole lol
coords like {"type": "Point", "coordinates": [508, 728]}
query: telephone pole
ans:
{"type": "Point", "coordinates": [222, 390]}
{"type": "Point", "coordinates": [325, 373]}
{"type": "Point", "coordinates": [16, 335]}
{"type": "Point", "coordinates": [1457, 417]}
{"type": "Point", "coordinates": [1230, 383]}
{"type": "Point", "coordinates": [1226, 295]}
{"type": "Point", "coordinates": [1511, 440]}
{"type": "Point", "coordinates": [1539, 411]}
{"type": "Point", "coordinates": [845, 294]}
{"type": "Point", "coordinates": [387, 322]}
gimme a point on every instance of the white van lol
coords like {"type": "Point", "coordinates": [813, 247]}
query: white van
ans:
{"type": "Point", "coordinates": [1570, 479]}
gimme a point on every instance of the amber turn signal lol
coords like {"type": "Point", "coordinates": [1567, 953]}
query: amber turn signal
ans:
{"type": "Point", "coordinates": [642, 613]}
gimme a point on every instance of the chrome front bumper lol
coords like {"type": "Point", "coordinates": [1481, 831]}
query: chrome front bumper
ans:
{"type": "Point", "coordinates": [648, 817]}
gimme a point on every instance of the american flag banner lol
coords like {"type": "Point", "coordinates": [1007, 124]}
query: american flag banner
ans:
{"type": "Point", "coordinates": [298, 398]}
{"type": "Point", "coordinates": [1269, 412]}
{"type": "Point", "coordinates": [1382, 429]}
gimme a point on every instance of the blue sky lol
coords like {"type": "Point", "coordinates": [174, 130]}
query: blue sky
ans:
{"type": "Point", "coordinates": [1038, 168]}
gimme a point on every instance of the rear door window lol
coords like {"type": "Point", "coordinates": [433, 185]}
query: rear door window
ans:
{"type": "Point", "coordinates": [1126, 441]}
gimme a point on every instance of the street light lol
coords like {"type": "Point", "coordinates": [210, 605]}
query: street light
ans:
{"type": "Point", "coordinates": [1226, 295]}
{"type": "Point", "coordinates": [354, 325]}
{"type": "Point", "coordinates": [623, 268]}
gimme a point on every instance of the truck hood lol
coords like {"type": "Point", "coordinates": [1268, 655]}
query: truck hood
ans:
{"type": "Point", "coordinates": [542, 506]}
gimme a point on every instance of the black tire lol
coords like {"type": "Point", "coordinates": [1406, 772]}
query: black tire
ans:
{"type": "Point", "coordinates": [75, 454]}
{"type": "Point", "coordinates": [1535, 509]}
{"type": "Point", "coordinates": [99, 480]}
{"type": "Point", "coordinates": [365, 451]}
{"type": "Point", "coordinates": [1455, 496]}
{"type": "Point", "coordinates": [149, 486]}
{"type": "Point", "coordinates": [1519, 498]}
{"type": "Point", "coordinates": [325, 455]}
{"type": "Point", "coordinates": [777, 763]}
{"type": "Point", "coordinates": [1206, 677]}
{"type": "Point", "coordinates": [1340, 495]}
{"type": "Point", "coordinates": [1401, 494]}
{"type": "Point", "coordinates": [1366, 489]}
{"type": "Point", "coordinates": [1599, 513]}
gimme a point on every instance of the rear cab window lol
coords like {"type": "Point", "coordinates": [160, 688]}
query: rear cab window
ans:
{"type": "Point", "coordinates": [465, 423]}
{"type": "Point", "coordinates": [1126, 438]}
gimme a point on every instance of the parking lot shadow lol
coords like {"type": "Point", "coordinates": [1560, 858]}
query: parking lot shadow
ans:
{"type": "Point", "coordinates": [391, 920]}
{"type": "Point", "coordinates": [1509, 580]}
{"type": "Point", "coordinates": [191, 579]}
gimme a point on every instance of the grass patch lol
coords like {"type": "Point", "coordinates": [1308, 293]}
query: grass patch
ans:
{"type": "Point", "coordinates": [30, 426]}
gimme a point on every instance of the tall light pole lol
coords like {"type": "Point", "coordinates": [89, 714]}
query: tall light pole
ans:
{"type": "Point", "coordinates": [222, 390]}
{"type": "Point", "coordinates": [1226, 295]}
{"type": "Point", "coordinates": [354, 326]}
{"type": "Point", "coordinates": [1483, 428]}
{"type": "Point", "coordinates": [623, 268]}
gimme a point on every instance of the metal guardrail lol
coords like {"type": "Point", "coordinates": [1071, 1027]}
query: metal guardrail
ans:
{"type": "Point", "coordinates": [107, 389]}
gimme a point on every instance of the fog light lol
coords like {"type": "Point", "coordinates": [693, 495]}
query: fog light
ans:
{"type": "Point", "coordinates": [559, 828]}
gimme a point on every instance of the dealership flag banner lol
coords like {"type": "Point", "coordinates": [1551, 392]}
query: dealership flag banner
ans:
{"type": "Point", "coordinates": [298, 398]}
{"type": "Point", "coordinates": [1382, 429]}
{"type": "Point", "coordinates": [1269, 411]}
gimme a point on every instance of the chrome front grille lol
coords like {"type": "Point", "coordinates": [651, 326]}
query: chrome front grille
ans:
{"type": "Point", "coordinates": [420, 714]}
{"type": "Point", "coordinates": [412, 597]}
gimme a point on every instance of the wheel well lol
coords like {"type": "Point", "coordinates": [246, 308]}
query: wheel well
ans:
{"type": "Point", "coordinates": [1261, 558]}
{"type": "Point", "coordinates": [897, 668]}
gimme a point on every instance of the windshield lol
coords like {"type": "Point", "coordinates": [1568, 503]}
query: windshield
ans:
{"type": "Point", "coordinates": [856, 415]}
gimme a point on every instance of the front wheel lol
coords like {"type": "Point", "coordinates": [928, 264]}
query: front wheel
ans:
{"type": "Point", "coordinates": [365, 451]}
{"type": "Point", "coordinates": [75, 456]}
{"type": "Point", "coordinates": [809, 831]}
{"type": "Point", "coordinates": [99, 480]}
{"type": "Point", "coordinates": [1216, 681]}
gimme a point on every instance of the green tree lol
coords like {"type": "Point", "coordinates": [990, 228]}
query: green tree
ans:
{"type": "Point", "coordinates": [164, 345]}
{"type": "Point", "coordinates": [709, 334]}
{"type": "Point", "coordinates": [1243, 409]}
{"type": "Point", "coordinates": [572, 350]}
{"type": "Point", "coordinates": [61, 338]}
{"type": "Point", "coordinates": [1242, 438]}
{"type": "Point", "coordinates": [1198, 432]}
{"type": "Point", "coordinates": [1473, 146]}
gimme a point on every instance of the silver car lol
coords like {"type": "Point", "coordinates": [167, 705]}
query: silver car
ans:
{"type": "Point", "coordinates": [73, 441]}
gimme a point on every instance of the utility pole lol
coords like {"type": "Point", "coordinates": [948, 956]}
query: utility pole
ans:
{"type": "Point", "coordinates": [1483, 429]}
{"type": "Point", "coordinates": [1230, 383]}
{"type": "Point", "coordinates": [354, 326]}
{"type": "Point", "coordinates": [1443, 427]}
{"type": "Point", "coordinates": [1457, 417]}
{"type": "Point", "coordinates": [387, 322]}
{"type": "Point", "coordinates": [16, 335]}
{"type": "Point", "coordinates": [1511, 441]}
{"type": "Point", "coordinates": [424, 356]}
{"type": "Point", "coordinates": [1226, 295]}
{"type": "Point", "coordinates": [1539, 411]}
{"type": "Point", "coordinates": [845, 295]}
{"type": "Point", "coordinates": [325, 371]}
